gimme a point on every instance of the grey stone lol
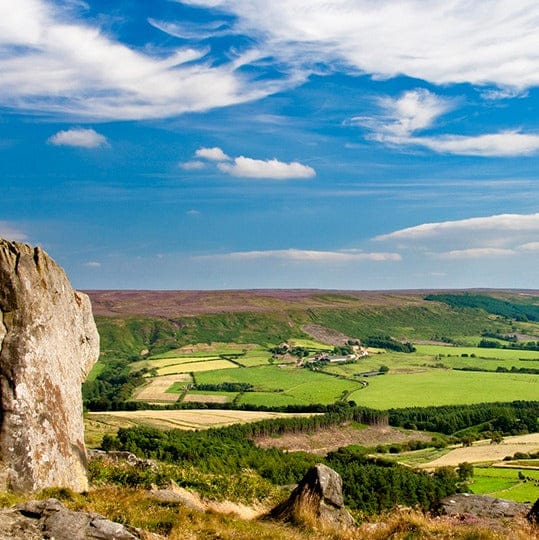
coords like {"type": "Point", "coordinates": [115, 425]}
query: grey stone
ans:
{"type": "Point", "coordinates": [481, 506]}
{"type": "Point", "coordinates": [48, 343]}
{"type": "Point", "coordinates": [36, 520]}
{"type": "Point", "coordinates": [318, 496]}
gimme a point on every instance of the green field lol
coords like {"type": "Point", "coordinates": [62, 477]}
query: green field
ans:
{"type": "Point", "coordinates": [195, 367]}
{"type": "Point", "coordinates": [480, 352]}
{"type": "Point", "coordinates": [445, 387]}
{"type": "Point", "coordinates": [506, 484]}
{"type": "Point", "coordinates": [282, 386]}
{"type": "Point", "coordinates": [309, 344]}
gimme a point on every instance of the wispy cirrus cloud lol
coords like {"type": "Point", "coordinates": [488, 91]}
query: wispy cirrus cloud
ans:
{"type": "Point", "coordinates": [413, 111]}
{"type": "Point", "coordinates": [56, 64]}
{"type": "Point", "coordinates": [78, 137]}
{"type": "Point", "coordinates": [303, 255]}
{"type": "Point", "coordinates": [477, 253]}
{"type": "Point", "coordinates": [401, 121]}
{"type": "Point", "coordinates": [502, 144]}
{"type": "Point", "coordinates": [441, 42]}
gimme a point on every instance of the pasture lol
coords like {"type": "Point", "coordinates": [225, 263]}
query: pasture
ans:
{"type": "Point", "coordinates": [429, 376]}
{"type": "Point", "coordinates": [445, 387]}
{"type": "Point", "coordinates": [520, 485]}
{"type": "Point", "coordinates": [275, 385]}
{"type": "Point", "coordinates": [479, 352]}
{"type": "Point", "coordinates": [195, 367]}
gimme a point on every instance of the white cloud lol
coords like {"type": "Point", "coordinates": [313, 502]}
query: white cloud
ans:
{"type": "Point", "coordinates": [83, 138]}
{"type": "Point", "coordinates": [412, 111]}
{"type": "Point", "coordinates": [417, 110]}
{"type": "Point", "coordinates": [212, 154]}
{"type": "Point", "coordinates": [274, 169]}
{"type": "Point", "coordinates": [302, 255]}
{"type": "Point", "coordinates": [9, 231]}
{"type": "Point", "coordinates": [503, 144]}
{"type": "Point", "coordinates": [193, 212]}
{"type": "Point", "coordinates": [51, 63]}
{"type": "Point", "coordinates": [530, 246]}
{"type": "Point", "coordinates": [502, 223]}
{"type": "Point", "coordinates": [476, 253]}
{"type": "Point", "coordinates": [92, 264]}
{"type": "Point", "coordinates": [437, 41]}
{"type": "Point", "coordinates": [192, 165]}
{"type": "Point", "coordinates": [495, 237]}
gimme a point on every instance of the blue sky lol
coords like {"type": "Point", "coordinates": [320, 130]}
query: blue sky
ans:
{"type": "Point", "coordinates": [212, 144]}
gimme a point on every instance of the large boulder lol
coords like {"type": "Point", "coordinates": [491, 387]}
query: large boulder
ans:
{"type": "Point", "coordinates": [317, 499]}
{"type": "Point", "coordinates": [48, 343]}
{"type": "Point", "coordinates": [36, 520]}
{"type": "Point", "coordinates": [481, 506]}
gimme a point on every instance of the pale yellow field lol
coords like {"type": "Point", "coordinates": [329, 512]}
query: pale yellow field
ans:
{"type": "Point", "coordinates": [205, 398]}
{"type": "Point", "coordinates": [156, 390]}
{"type": "Point", "coordinates": [184, 419]}
{"type": "Point", "coordinates": [483, 451]}
{"type": "Point", "coordinates": [206, 365]}
{"type": "Point", "coordinates": [164, 362]}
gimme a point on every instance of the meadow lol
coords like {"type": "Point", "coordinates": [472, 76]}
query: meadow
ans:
{"type": "Point", "coordinates": [520, 485]}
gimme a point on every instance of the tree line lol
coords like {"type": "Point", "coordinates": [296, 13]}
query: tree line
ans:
{"type": "Point", "coordinates": [508, 418]}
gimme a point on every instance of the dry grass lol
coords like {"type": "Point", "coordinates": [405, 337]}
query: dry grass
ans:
{"type": "Point", "coordinates": [183, 418]}
{"type": "Point", "coordinates": [205, 398]}
{"type": "Point", "coordinates": [156, 390]}
{"type": "Point", "coordinates": [175, 521]}
{"type": "Point", "coordinates": [407, 524]}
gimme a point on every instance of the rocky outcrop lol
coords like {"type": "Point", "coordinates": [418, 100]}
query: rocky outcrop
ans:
{"type": "Point", "coordinates": [533, 514]}
{"type": "Point", "coordinates": [36, 520]}
{"type": "Point", "coordinates": [318, 497]}
{"type": "Point", "coordinates": [481, 506]}
{"type": "Point", "coordinates": [48, 343]}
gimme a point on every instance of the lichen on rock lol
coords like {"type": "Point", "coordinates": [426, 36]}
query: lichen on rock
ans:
{"type": "Point", "coordinates": [48, 343]}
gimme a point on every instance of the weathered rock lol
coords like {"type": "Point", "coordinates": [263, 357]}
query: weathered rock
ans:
{"type": "Point", "coordinates": [533, 514]}
{"type": "Point", "coordinates": [318, 496]}
{"type": "Point", "coordinates": [36, 520]}
{"type": "Point", "coordinates": [481, 506]}
{"type": "Point", "coordinates": [175, 494]}
{"type": "Point", "coordinates": [48, 343]}
{"type": "Point", "coordinates": [119, 457]}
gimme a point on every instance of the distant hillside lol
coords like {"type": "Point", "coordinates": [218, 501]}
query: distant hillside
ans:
{"type": "Point", "coordinates": [130, 321]}
{"type": "Point", "coordinates": [521, 309]}
{"type": "Point", "coordinates": [173, 304]}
